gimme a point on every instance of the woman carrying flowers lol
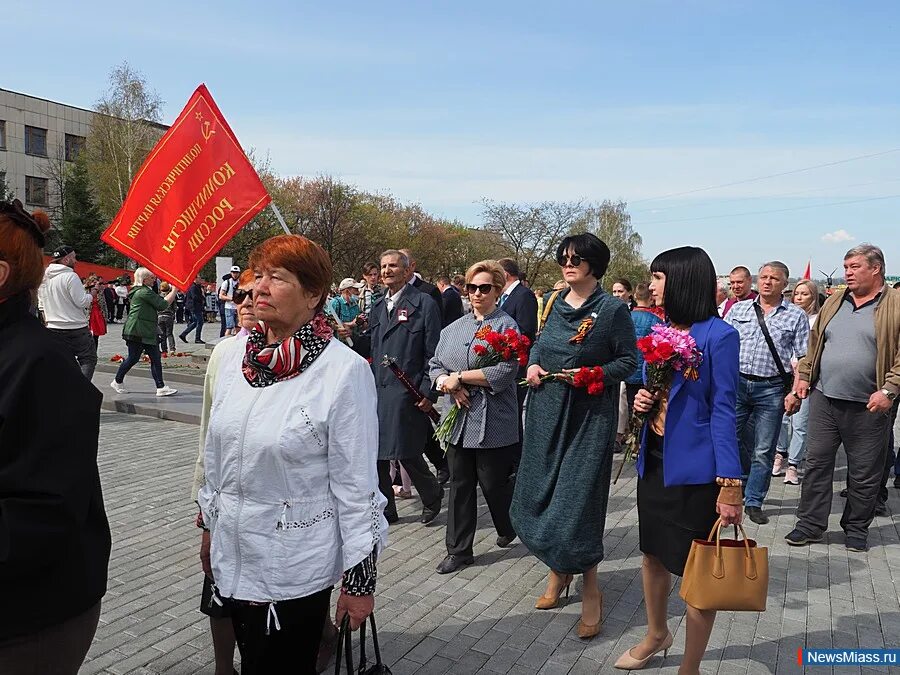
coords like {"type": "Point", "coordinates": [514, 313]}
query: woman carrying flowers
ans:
{"type": "Point", "coordinates": [562, 488]}
{"type": "Point", "coordinates": [688, 464]}
{"type": "Point", "coordinates": [483, 435]}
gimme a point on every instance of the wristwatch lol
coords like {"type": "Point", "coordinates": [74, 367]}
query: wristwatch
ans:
{"type": "Point", "coordinates": [796, 395]}
{"type": "Point", "coordinates": [891, 395]}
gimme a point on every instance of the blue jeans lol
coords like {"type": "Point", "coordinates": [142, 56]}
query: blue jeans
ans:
{"type": "Point", "coordinates": [135, 349]}
{"type": "Point", "coordinates": [792, 439]}
{"type": "Point", "coordinates": [194, 321]}
{"type": "Point", "coordinates": [762, 405]}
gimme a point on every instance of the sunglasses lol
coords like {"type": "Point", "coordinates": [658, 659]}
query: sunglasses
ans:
{"type": "Point", "coordinates": [240, 295]}
{"type": "Point", "coordinates": [484, 288]}
{"type": "Point", "coordinates": [564, 259]}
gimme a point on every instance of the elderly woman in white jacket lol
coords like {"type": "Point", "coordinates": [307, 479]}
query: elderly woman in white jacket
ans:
{"type": "Point", "coordinates": [291, 494]}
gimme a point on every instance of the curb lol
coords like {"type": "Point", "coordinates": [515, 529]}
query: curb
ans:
{"type": "Point", "coordinates": [184, 378]}
{"type": "Point", "coordinates": [150, 411]}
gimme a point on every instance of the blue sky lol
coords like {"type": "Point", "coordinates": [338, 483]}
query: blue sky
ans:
{"type": "Point", "coordinates": [447, 103]}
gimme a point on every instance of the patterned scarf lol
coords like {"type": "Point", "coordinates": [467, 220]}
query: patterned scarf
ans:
{"type": "Point", "coordinates": [266, 364]}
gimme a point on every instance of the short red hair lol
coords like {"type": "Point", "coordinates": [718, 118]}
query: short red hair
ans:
{"type": "Point", "coordinates": [304, 258]}
{"type": "Point", "coordinates": [20, 249]}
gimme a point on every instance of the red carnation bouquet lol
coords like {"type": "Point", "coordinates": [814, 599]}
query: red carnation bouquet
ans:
{"type": "Point", "coordinates": [499, 347]}
{"type": "Point", "coordinates": [586, 377]}
{"type": "Point", "coordinates": [666, 350]}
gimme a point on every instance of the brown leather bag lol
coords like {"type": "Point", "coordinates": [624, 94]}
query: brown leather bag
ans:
{"type": "Point", "coordinates": [726, 574]}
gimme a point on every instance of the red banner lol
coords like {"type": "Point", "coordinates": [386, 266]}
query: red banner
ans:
{"type": "Point", "coordinates": [195, 190]}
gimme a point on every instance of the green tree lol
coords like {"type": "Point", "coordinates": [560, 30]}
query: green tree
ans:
{"type": "Point", "coordinates": [81, 224]}
{"type": "Point", "coordinates": [124, 130]}
{"type": "Point", "coordinates": [611, 222]}
{"type": "Point", "coordinates": [6, 193]}
{"type": "Point", "coordinates": [532, 232]}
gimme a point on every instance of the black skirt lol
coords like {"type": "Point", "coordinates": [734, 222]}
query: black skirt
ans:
{"type": "Point", "coordinates": [670, 518]}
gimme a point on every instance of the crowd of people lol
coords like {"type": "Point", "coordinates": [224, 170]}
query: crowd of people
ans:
{"type": "Point", "coordinates": [319, 412]}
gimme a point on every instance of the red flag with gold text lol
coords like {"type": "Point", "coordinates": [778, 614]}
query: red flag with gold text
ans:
{"type": "Point", "coordinates": [195, 190]}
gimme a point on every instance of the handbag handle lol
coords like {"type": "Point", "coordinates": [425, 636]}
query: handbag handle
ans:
{"type": "Point", "coordinates": [363, 662]}
{"type": "Point", "coordinates": [719, 567]}
{"type": "Point", "coordinates": [345, 642]}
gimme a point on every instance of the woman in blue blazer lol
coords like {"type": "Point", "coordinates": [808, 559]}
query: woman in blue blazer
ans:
{"type": "Point", "coordinates": [689, 467]}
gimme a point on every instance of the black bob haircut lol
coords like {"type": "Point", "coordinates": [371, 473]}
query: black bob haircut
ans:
{"type": "Point", "coordinates": [690, 293]}
{"type": "Point", "coordinates": [591, 248]}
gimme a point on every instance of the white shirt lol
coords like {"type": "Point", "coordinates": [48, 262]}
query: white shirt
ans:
{"type": "Point", "coordinates": [509, 290]}
{"type": "Point", "coordinates": [291, 494]}
{"type": "Point", "coordinates": [227, 288]}
{"type": "Point", "coordinates": [392, 299]}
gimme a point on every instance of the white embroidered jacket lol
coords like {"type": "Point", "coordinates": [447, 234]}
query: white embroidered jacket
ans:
{"type": "Point", "coordinates": [291, 493]}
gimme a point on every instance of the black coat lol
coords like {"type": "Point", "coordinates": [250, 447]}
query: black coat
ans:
{"type": "Point", "coordinates": [54, 535]}
{"type": "Point", "coordinates": [196, 298]}
{"type": "Point", "coordinates": [431, 290]}
{"type": "Point", "coordinates": [453, 307]}
{"type": "Point", "coordinates": [403, 429]}
{"type": "Point", "coordinates": [521, 305]}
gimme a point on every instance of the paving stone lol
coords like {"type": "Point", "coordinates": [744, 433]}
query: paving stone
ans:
{"type": "Point", "coordinates": [482, 619]}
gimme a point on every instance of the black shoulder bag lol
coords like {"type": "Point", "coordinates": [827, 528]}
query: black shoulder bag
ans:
{"type": "Point", "coordinates": [345, 642]}
{"type": "Point", "coordinates": [787, 378]}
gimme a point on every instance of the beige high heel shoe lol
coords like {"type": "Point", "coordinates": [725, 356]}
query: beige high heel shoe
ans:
{"type": "Point", "coordinates": [547, 601]}
{"type": "Point", "coordinates": [628, 662]}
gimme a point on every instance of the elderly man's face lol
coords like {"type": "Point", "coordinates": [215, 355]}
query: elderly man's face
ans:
{"type": "Point", "coordinates": [393, 273]}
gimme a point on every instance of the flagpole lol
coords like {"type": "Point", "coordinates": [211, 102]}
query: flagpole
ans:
{"type": "Point", "coordinates": [280, 217]}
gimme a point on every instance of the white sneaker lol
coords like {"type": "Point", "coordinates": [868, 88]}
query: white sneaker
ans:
{"type": "Point", "coordinates": [780, 465]}
{"type": "Point", "coordinates": [166, 391]}
{"type": "Point", "coordinates": [120, 388]}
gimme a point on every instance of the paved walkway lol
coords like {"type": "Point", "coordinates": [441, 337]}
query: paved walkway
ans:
{"type": "Point", "coordinates": [481, 619]}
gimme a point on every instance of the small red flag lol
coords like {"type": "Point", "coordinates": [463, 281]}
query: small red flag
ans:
{"type": "Point", "coordinates": [195, 190]}
{"type": "Point", "coordinates": [808, 273]}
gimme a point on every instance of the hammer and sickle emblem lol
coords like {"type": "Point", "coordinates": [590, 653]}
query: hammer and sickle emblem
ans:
{"type": "Point", "coordinates": [207, 130]}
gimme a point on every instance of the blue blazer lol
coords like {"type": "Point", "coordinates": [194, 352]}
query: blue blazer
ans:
{"type": "Point", "coordinates": [700, 441]}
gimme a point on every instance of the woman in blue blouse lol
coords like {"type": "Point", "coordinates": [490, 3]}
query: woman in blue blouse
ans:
{"type": "Point", "coordinates": [689, 466]}
{"type": "Point", "coordinates": [484, 440]}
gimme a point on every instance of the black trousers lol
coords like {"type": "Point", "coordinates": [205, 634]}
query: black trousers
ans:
{"type": "Point", "coordinates": [430, 491]}
{"type": "Point", "coordinates": [864, 435]}
{"type": "Point", "coordinates": [494, 470]}
{"type": "Point", "coordinates": [434, 454]}
{"type": "Point", "coordinates": [292, 649]}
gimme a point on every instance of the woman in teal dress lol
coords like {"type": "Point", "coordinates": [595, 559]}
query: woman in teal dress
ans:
{"type": "Point", "coordinates": [562, 488]}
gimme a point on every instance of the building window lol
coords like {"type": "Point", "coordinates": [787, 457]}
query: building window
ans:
{"type": "Point", "coordinates": [36, 191]}
{"type": "Point", "coordinates": [2, 134]}
{"type": "Point", "coordinates": [35, 141]}
{"type": "Point", "coordinates": [74, 145]}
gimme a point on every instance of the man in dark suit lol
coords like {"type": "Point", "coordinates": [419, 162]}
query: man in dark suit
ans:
{"type": "Point", "coordinates": [519, 302]}
{"type": "Point", "coordinates": [432, 449]}
{"type": "Point", "coordinates": [405, 324]}
{"type": "Point", "coordinates": [453, 307]}
{"type": "Point", "coordinates": [420, 283]}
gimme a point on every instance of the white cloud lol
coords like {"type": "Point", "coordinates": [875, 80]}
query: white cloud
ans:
{"type": "Point", "coordinates": [837, 237]}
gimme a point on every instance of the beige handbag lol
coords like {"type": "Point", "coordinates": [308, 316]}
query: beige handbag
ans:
{"type": "Point", "coordinates": [726, 574]}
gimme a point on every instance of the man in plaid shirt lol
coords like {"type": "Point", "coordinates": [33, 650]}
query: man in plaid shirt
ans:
{"type": "Point", "coordinates": [761, 402]}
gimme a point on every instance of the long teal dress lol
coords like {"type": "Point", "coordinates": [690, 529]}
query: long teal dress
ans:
{"type": "Point", "coordinates": [562, 488]}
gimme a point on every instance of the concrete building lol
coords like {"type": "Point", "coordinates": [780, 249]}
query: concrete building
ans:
{"type": "Point", "coordinates": [37, 139]}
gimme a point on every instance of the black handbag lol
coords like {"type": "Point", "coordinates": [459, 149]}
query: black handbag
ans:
{"type": "Point", "coordinates": [787, 378]}
{"type": "Point", "coordinates": [345, 642]}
